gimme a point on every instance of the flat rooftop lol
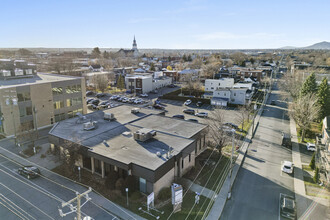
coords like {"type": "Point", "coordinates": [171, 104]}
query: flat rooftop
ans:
{"type": "Point", "coordinates": [115, 139]}
{"type": "Point", "coordinates": [124, 148]}
{"type": "Point", "coordinates": [35, 79]}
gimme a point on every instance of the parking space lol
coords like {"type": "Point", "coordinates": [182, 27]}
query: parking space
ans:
{"type": "Point", "coordinates": [305, 155]}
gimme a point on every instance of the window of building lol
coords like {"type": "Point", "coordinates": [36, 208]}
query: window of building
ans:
{"type": "Point", "coordinates": [97, 166]}
{"type": "Point", "coordinates": [77, 101]}
{"type": "Point", "coordinates": [69, 89]}
{"type": "Point", "coordinates": [224, 94]}
{"type": "Point", "coordinates": [58, 104]}
{"type": "Point", "coordinates": [234, 93]}
{"type": "Point", "coordinates": [69, 102]}
{"type": "Point", "coordinates": [87, 163]}
{"type": "Point", "coordinates": [189, 158]}
{"type": "Point", "coordinates": [57, 90]}
{"type": "Point", "coordinates": [182, 162]}
{"type": "Point", "coordinates": [29, 110]}
{"type": "Point", "coordinates": [212, 88]}
{"type": "Point", "coordinates": [143, 185]}
{"type": "Point", "coordinates": [23, 96]}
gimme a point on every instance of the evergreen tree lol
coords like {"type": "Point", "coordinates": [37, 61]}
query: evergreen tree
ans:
{"type": "Point", "coordinates": [316, 175]}
{"type": "Point", "coordinates": [184, 58]}
{"type": "Point", "coordinates": [309, 86]}
{"type": "Point", "coordinates": [120, 82]}
{"type": "Point", "coordinates": [96, 52]}
{"type": "Point", "coordinates": [189, 58]}
{"type": "Point", "coordinates": [312, 163]}
{"type": "Point", "coordinates": [152, 67]}
{"type": "Point", "coordinates": [323, 95]}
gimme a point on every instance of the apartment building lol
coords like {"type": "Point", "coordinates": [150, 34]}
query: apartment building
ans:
{"type": "Point", "coordinates": [38, 100]}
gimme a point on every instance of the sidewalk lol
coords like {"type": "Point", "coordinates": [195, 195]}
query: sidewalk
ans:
{"type": "Point", "coordinates": [221, 198]}
{"type": "Point", "coordinates": [6, 148]}
{"type": "Point", "coordinates": [299, 185]}
{"type": "Point", "coordinates": [198, 188]}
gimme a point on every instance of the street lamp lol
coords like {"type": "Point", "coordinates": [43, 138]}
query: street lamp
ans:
{"type": "Point", "coordinates": [12, 102]}
{"type": "Point", "coordinates": [127, 196]}
{"type": "Point", "coordinates": [79, 173]}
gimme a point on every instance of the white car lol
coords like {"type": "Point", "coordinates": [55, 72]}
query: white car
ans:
{"type": "Point", "coordinates": [311, 147]}
{"type": "Point", "coordinates": [287, 167]}
{"type": "Point", "coordinates": [188, 102]}
{"type": "Point", "coordinates": [202, 114]}
{"type": "Point", "coordinates": [144, 95]}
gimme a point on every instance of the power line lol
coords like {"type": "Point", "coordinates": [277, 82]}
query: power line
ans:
{"type": "Point", "coordinates": [193, 181]}
{"type": "Point", "coordinates": [14, 206]}
{"type": "Point", "coordinates": [77, 208]}
{"type": "Point", "coordinates": [26, 201]}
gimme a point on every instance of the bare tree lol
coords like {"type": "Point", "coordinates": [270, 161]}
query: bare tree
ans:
{"type": "Point", "coordinates": [209, 70]}
{"type": "Point", "coordinates": [100, 82]}
{"type": "Point", "coordinates": [26, 132]}
{"type": "Point", "coordinates": [243, 114]}
{"type": "Point", "coordinates": [304, 111]}
{"type": "Point", "coordinates": [291, 85]}
{"type": "Point", "coordinates": [216, 132]}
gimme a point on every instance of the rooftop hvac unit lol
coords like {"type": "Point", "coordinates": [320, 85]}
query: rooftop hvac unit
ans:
{"type": "Point", "coordinates": [158, 154]}
{"type": "Point", "coordinates": [144, 134]}
{"type": "Point", "coordinates": [90, 125]}
{"type": "Point", "coordinates": [109, 116]}
{"type": "Point", "coordinates": [135, 110]}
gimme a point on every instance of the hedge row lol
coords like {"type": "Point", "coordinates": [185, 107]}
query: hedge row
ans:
{"type": "Point", "coordinates": [175, 96]}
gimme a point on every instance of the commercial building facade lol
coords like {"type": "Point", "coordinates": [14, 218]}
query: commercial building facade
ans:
{"type": "Point", "coordinates": [38, 100]}
{"type": "Point", "coordinates": [114, 145]}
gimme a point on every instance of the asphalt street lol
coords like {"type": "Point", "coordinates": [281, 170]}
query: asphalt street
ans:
{"type": "Point", "coordinates": [257, 188]}
{"type": "Point", "coordinates": [37, 198]}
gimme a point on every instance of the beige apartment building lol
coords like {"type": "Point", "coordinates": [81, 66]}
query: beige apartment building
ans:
{"type": "Point", "coordinates": [39, 100]}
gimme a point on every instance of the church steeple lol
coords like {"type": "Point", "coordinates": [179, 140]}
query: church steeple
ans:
{"type": "Point", "coordinates": [134, 44]}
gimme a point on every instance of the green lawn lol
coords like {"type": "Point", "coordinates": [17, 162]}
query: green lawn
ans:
{"type": "Point", "coordinates": [310, 134]}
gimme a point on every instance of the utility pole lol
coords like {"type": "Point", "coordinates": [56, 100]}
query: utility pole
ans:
{"type": "Point", "coordinates": [76, 209]}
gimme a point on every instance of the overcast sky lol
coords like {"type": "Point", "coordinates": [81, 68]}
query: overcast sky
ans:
{"type": "Point", "coordinates": [170, 24]}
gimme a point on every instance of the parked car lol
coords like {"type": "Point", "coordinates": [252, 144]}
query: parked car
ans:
{"type": "Point", "coordinates": [188, 102]}
{"type": "Point", "coordinates": [178, 116]}
{"type": "Point", "coordinates": [29, 171]}
{"type": "Point", "coordinates": [103, 104]}
{"type": "Point", "coordinates": [156, 106]}
{"type": "Point", "coordinates": [99, 95]}
{"type": "Point", "coordinates": [95, 102]}
{"type": "Point", "coordinates": [193, 120]}
{"type": "Point", "coordinates": [199, 104]}
{"type": "Point", "coordinates": [114, 97]}
{"type": "Point", "coordinates": [91, 106]}
{"type": "Point", "coordinates": [144, 95]}
{"type": "Point", "coordinates": [273, 102]}
{"type": "Point", "coordinates": [89, 93]}
{"type": "Point", "coordinates": [131, 100]}
{"type": "Point", "coordinates": [89, 100]}
{"type": "Point", "coordinates": [124, 100]}
{"type": "Point", "coordinates": [287, 167]}
{"type": "Point", "coordinates": [286, 140]}
{"type": "Point", "coordinates": [202, 114]}
{"type": "Point", "coordinates": [287, 206]}
{"type": "Point", "coordinates": [154, 92]}
{"type": "Point", "coordinates": [231, 125]}
{"type": "Point", "coordinates": [171, 86]}
{"type": "Point", "coordinates": [311, 147]}
{"type": "Point", "coordinates": [189, 111]}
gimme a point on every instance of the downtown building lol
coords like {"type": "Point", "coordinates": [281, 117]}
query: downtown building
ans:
{"type": "Point", "coordinates": [34, 100]}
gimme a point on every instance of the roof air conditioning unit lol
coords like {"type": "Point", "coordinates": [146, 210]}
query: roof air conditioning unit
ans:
{"type": "Point", "coordinates": [109, 116]}
{"type": "Point", "coordinates": [158, 154]}
{"type": "Point", "coordinates": [144, 134]}
{"type": "Point", "coordinates": [90, 125]}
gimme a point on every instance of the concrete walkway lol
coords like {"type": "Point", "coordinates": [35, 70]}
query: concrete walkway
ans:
{"type": "Point", "coordinates": [305, 204]}
{"type": "Point", "coordinates": [198, 188]}
{"type": "Point", "coordinates": [8, 149]}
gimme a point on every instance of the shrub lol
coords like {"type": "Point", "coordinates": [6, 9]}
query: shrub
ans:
{"type": "Point", "coordinates": [42, 156]}
{"type": "Point", "coordinates": [135, 195]}
{"type": "Point", "coordinates": [316, 175]}
{"type": "Point", "coordinates": [164, 193]}
{"type": "Point", "coordinates": [312, 163]}
{"type": "Point", "coordinates": [111, 180]}
{"type": "Point", "coordinates": [130, 184]}
{"type": "Point", "coordinates": [120, 184]}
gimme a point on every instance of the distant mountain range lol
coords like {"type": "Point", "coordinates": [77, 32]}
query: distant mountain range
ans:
{"type": "Point", "coordinates": [324, 45]}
